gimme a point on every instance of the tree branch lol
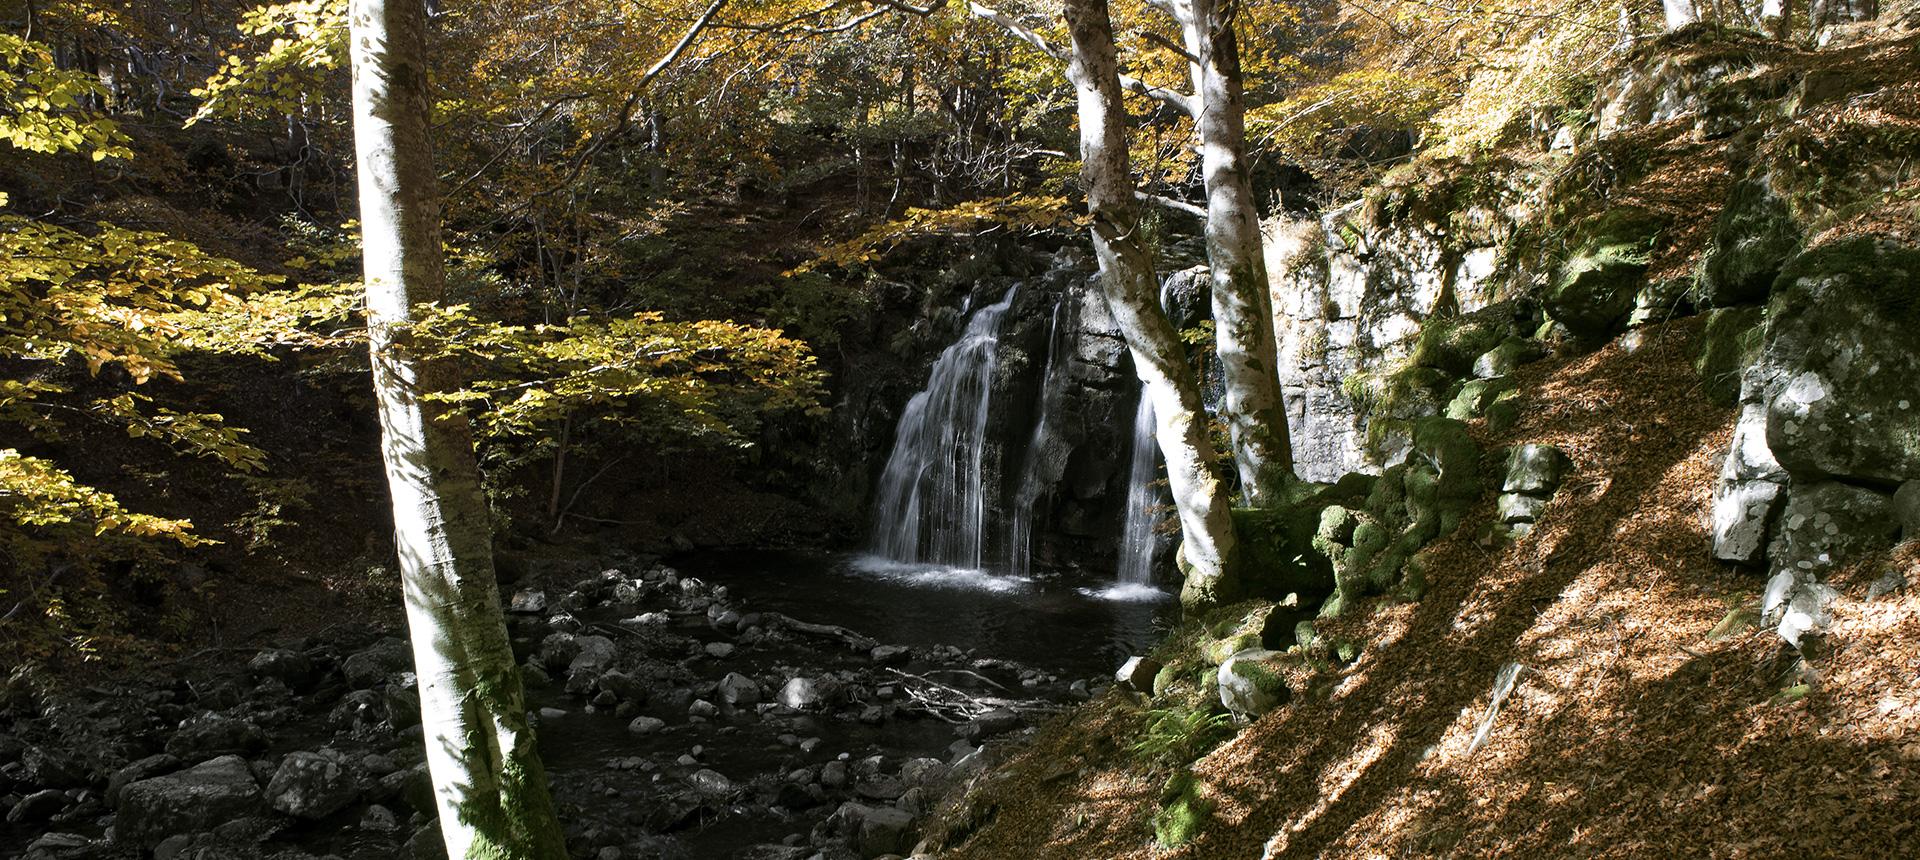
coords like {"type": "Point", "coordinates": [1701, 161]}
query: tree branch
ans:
{"type": "Point", "coordinates": [1028, 35]}
{"type": "Point", "coordinates": [1170, 203]}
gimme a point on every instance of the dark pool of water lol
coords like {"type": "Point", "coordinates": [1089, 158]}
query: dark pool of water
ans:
{"type": "Point", "coordinates": [1074, 626]}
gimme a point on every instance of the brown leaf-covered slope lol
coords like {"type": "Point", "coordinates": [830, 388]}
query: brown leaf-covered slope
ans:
{"type": "Point", "coordinates": [1630, 733]}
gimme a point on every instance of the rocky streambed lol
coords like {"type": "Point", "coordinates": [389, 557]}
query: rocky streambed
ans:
{"type": "Point", "coordinates": [735, 706]}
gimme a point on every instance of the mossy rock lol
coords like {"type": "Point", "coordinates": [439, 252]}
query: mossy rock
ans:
{"type": "Point", "coordinates": [1503, 413]}
{"type": "Point", "coordinates": [1507, 357]}
{"type": "Point", "coordinates": [1595, 289]}
{"type": "Point", "coordinates": [1728, 343]}
{"type": "Point", "coordinates": [1184, 811]}
{"type": "Point", "coordinates": [1753, 238]}
{"type": "Point", "coordinates": [1475, 396]}
{"type": "Point", "coordinates": [1451, 344]}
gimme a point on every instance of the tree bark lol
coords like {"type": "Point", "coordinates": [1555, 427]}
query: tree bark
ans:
{"type": "Point", "coordinates": [488, 782]}
{"type": "Point", "coordinates": [1127, 279]}
{"type": "Point", "coordinates": [1254, 409]}
{"type": "Point", "coordinates": [1680, 13]}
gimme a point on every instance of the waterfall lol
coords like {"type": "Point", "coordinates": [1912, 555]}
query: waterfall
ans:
{"type": "Point", "coordinates": [1032, 474]}
{"type": "Point", "coordinates": [931, 505]}
{"type": "Point", "coordinates": [1136, 536]}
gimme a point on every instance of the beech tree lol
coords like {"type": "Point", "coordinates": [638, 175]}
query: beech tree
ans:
{"type": "Point", "coordinates": [1255, 410]}
{"type": "Point", "coordinates": [488, 782]}
{"type": "Point", "coordinates": [1127, 279]}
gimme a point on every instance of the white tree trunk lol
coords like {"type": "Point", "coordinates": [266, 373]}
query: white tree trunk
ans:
{"type": "Point", "coordinates": [1680, 13]}
{"type": "Point", "coordinates": [1242, 303]}
{"type": "Point", "coordinates": [488, 783]}
{"type": "Point", "coordinates": [1127, 279]}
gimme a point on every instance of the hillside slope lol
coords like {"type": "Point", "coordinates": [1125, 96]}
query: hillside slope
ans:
{"type": "Point", "coordinates": [1650, 718]}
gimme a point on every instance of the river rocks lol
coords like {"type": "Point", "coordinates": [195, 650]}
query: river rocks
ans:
{"type": "Point", "coordinates": [151, 766]}
{"type": "Point", "coordinates": [738, 689]}
{"type": "Point", "coordinates": [209, 735]}
{"type": "Point", "coordinates": [594, 655]}
{"type": "Point", "coordinates": [1251, 683]}
{"type": "Point", "coordinates": [528, 602]}
{"type": "Point", "coordinates": [998, 721]}
{"type": "Point", "coordinates": [1137, 674]}
{"type": "Point", "coordinates": [291, 668]}
{"type": "Point", "coordinates": [190, 801]}
{"type": "Point", "coordinates": [310, 785]}
{"type": "Point", "coordinates": [385, 657]}
{"type": "Point", "coordinates": [802, 694]}
{"type": "Point", "coordinates": [642, 726]}
{"type": "Point", "coordinates": [37, 807]}
{"type": "Point", "coordinates": [711, 783]}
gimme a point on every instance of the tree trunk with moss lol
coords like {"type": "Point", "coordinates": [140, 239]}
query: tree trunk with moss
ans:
{"type": "Point", "coordinates": [1127, 279]}
{"type": "Point", "coordinates": [488, 782]}
{"type": "Point", "coordinates": [1255, 410]}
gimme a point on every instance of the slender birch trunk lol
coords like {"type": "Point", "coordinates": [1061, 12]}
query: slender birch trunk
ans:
{"type": "Point", "coordinates": [1242, 304]}
{"type": "Point", "coordinates": [1127, 279]}
{"type": "Point", "coordinates": [487, 778]}
{"type": "Point", "coordinates": [1680, 13]}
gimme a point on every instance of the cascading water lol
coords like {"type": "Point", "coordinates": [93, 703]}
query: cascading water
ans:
{"type": "Point", "coordinates": [1136, 534]}
{"type": "Point", "coordinates": [931, 505]}
{"type": "Point", "coordinates": [1032, 478]}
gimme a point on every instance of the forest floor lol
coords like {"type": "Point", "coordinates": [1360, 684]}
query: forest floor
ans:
{"type": "Point", "coordinates": [1651, 717]}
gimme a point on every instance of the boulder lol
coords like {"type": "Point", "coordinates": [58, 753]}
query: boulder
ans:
{"type": "Point", "coordinates": [151, 766]}
{"type": "Point", "coordinates": [802, 694]}
{"type": "Point", "coordinates": [1841, 351]}
{"type": "Point", "coordinates": [1828, 524]}
{"type": "Point", "coordinates": [190, 801]}
{"type": "Point", "coordinates": [208, 735]}
{"type": "Point", "coordinates": [529, 602]}
{"type": "Point", "coordinates": [1535, 469]}
{"type": "Point", "coordinates": [291, 668]}
{"type": "Point", "coordinates": [998, 721]}
{"type": "Point", "coordinates": [1906, 506]}
{"type": "Point", "coordinates": [38, 807]}
{"type": "Point", "coordinates": [1137, 674]}
{"type": "Point", "coordinates": [371, 666]}
{"type": "Point", "coordinates": [594, 653]}
{"type": "Point", "coordinates": [1519, 508]}
{"type": "Point", "coordinates": [738, 689]}
{"type": "Point", "coordinates": [310, 785]}
{"type": "Point", "coordinates": [646, 725]}
{"type": "Point", "coordinates": [1596, 288]}
{"type": "Point", "coordinates": [1504, 359]}
{"type": "Point", "coordinates": [1251, 683]}
{"type": "Point", "coordinates": [1753, 238]}
{"type": "Point", "coordinates": [884, 830]}
{"type": "Point", "coordinates": [711, 783]}
{"type": "Point", "coordinates": [558, 650]}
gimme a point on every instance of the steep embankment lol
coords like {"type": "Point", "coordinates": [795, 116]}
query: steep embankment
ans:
{"type": "Point", "coordinates": [1649, 716]}
{"type": "Point", "coordinates": [1618, 670]}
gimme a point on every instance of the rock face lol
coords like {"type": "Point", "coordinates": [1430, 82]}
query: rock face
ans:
{"type": "Point", "coordinates": [1829, 425]}
{"type": "Point", "coordinates": [190, 801]}
{"type": "Point", "coordinates": [1381, 308]}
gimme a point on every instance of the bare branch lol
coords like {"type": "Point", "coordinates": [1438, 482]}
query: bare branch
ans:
{"type": "Point", "coordinates": [1170, 203]}
{"type": "Point", "coordinates": [1028, 35]}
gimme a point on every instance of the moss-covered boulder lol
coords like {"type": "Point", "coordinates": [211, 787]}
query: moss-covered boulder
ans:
{"type": "Point", "coordinates": [1184, 811]}
{"type": "Point", "coordinates": [1475, 396]}
{"type": "Point", "coordinates": [1843, 343]}
{"type": "Point", "coordinates": [1412, 504]}
{"type": "Point", "coordinates": [1595, 289]}
{"type": "Point", "coordinates": [1753, 238]}
{"type": "Point", "coordinates": [1507, 357]}
{"type": "Point", "coordinates": [1253, 682]}
{"type": "Point", "coordinates": [1451, 344]}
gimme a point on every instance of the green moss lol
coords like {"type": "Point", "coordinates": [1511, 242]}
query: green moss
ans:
{"type": "Point", "coordinates": [1184, 811]}
{"type": "Point", "coordinates": [1753, 238]}
{"type": "Point", "coordinates": [1596, 287]}
{"type": "Point", "coordinates": [1728, 343]}
{"type": "Point", "coordinates": [1451, 344]}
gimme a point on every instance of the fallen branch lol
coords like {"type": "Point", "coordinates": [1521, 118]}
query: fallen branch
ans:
{"type": "Point", "coordinates": [830, 631]}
